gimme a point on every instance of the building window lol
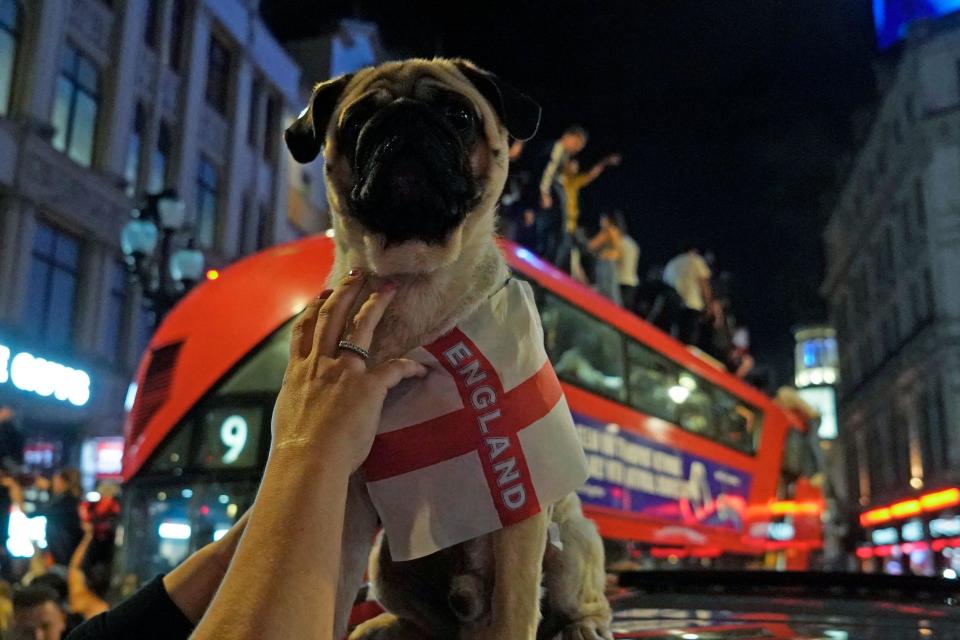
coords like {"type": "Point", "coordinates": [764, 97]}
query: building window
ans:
{"type": "Point", "coordinates": [900, 451]}
{"type": "Point", "coordinates": [134, 148]}
{"type": "Point", "coordinates": [256, 89]}
{"type": "Point", "coordinates": [178, 23]}
{"type": "Point", "coordinates": [919, 203]}
{"type": "Point", "coordinates": [271, 124]}
{"type": "Point", "coordinates": [159, 160]}
{"type": "Point", "coordinates": [151, 28]}
{"type": "Point", "coordinates": [879, 463]}
{"type": "Point", "coordinates": [916, 301]}
{"type": "Point", "coordinates": [888, 254]}
{"type": "Point", "coordinates": [929, 296]}
{"type": "Point", "coordinates": [933, 429]}
{"type": "Point", "coordinates": [146, 321]}
{"type": "Point", "coordinates": [895, 320]}
{"type": "Point", "coordinates": [113, 330]}
{"type": "Point", "coordinates": [889, 340]}
{"type": "Point", "coordinates": [9, 34]}
{"type": "Point", "coordinates": [208, 192]}
{"type": "Point", "coordinates": [218, 75]}
{"type": "Point", "coordinates": [52, 287]}
{"type": "Point", "coordinates": [75, 106]}
{"type": "Point", "coordinates": [263, 227]}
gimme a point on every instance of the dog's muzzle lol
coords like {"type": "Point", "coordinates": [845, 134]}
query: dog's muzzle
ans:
{"type": "Point", "coordinates": [413, 175]}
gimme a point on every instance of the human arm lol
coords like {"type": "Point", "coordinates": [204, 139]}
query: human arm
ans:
{"type": "Point", "coordinates": [324, 423]}
{"type": "Point", "coordinates": [168, 606]}
{"type": "Point", "coordinates": [549, 173]}
{"type": "Point", "coordinates": [703, 279]}
{"type": "Point", "coordinates": [707, 292]}
{"type": "Point", "coordinates": [14, 489]}
{"type": "Point", "coordinates": [610, 161]}
{"type": "Point", "coordinates": [597, 241]}
{"type": "Point", "coordinates": [80, 597]}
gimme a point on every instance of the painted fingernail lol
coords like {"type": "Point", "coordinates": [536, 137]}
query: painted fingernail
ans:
{"type": "Point", "coordinates": [387, 286]}
{"type": "Point", "coordinates": [324, 294]}
{"type": "Point", "coordinates": [354, 272]}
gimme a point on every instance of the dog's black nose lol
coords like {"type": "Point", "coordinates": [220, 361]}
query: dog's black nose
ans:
{"type": "Point", "coordinates": [413, 174]}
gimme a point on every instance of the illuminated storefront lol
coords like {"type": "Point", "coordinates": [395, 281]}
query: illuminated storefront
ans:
{"type": "Point", "coordinates": [919, 536]}
{"type": "Point", "coordinates": [60, 407]}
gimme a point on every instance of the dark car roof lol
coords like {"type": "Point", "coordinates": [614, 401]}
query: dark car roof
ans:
{"type": "Point", "coordinates": [719, 605]}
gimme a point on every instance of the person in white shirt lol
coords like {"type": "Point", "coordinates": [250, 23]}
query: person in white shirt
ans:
{"type": "Point", "coordinates": [689, 274]}
{"type": "Point", "coordinates": [627, 265]}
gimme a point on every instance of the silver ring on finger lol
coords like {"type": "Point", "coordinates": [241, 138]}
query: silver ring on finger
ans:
{"type": "Point", "coordinates": [354, 347]}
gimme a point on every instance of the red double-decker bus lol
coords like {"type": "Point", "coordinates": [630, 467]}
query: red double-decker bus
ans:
{"type": "Point", "coordinates": [688, 464]}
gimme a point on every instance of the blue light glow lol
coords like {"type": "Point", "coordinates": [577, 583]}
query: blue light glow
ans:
{"type": "Point", "coordinates": [891, 18]}
{"type": "Point", "coordinates": [43, 377]}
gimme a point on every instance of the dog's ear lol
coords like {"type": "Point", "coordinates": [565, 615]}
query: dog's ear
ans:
{"type": "Point", "coordinates": [519, 112]}
{"type": "Point", "coordinates": [305, 136]}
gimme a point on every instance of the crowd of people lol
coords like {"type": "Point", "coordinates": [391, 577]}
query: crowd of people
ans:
{"type": "Point", "coordinates": [67, 578]}
{"type": "Point", "coordinates": [687, 297]}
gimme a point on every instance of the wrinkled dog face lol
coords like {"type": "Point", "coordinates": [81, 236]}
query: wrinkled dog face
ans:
{"type": "Point", "coordinates": [416, 158]}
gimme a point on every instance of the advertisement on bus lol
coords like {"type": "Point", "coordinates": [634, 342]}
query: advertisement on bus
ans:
{"type": "Point", "coordinates": [637, 476]}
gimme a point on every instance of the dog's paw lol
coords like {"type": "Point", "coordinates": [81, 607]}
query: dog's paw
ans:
{"type": "Point", "coordinates": [379, 628]}
{"type": "Point", "coordinates": [586, 629]}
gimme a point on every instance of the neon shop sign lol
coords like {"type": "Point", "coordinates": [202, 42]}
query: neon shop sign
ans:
{"type": "Point", "coordinates": [42, 377]}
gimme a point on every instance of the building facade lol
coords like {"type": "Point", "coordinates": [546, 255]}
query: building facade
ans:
{"type": "Point", "coordinates": [893, 287]}
{"type": "Point", "coordinates": [102, 101]}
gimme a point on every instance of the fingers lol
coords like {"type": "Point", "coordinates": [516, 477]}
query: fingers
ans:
{"type": "Point", "coordinates": [391, 372]}
{"type": "Point", "coordinates": [333, 314]}
{"type": "Point", "coordinates": [361, 328]}
{"type": "Point", "coordinates": [301, 338]}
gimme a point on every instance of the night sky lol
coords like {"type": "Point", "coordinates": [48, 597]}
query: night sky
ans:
{"type": "Point", "coordinates": [734, 118]}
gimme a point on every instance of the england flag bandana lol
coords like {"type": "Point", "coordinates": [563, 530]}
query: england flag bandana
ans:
{"type": "Point", "coordinates": [484, 441]}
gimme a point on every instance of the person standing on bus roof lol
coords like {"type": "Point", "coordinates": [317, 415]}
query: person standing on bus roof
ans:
{"type": "Point", "coordinates": [627, 265]}
{"type": "Point", "coordinates": [555, 241]}
{"type": "Point", "coordinates": [607, 247]}
{"type": "Point", "coordinates": [689, 274]}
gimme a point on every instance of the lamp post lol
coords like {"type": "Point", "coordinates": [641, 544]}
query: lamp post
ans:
{"type": "Point", "coordinates": [164, 270]}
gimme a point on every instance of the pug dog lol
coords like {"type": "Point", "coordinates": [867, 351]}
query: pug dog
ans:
{"type": "Point", "coordinates": [415, 160]}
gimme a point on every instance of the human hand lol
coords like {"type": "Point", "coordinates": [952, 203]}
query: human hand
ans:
{"type": "Point", "coordinates": [330, 400]}
{"type": "Point", "coordinates": [546, 200]}
{"type": "Point", "coordinates": [13, 488]}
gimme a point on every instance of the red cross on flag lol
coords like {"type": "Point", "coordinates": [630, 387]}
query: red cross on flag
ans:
{"type": "Point", "coordinates": [482, 442]}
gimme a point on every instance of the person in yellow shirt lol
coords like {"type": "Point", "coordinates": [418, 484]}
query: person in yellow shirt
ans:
{"type": "Point", "coordinates": [607, 246]}
{"type": "Point", "coordinates": [572, 181]}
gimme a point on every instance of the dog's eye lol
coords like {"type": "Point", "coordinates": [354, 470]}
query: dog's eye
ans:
{"type": "Point", "coordinates": [459, 117]}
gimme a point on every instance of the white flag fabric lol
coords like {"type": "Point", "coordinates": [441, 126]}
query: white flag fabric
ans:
{"type": "Point", "coordinates": [484, 441]}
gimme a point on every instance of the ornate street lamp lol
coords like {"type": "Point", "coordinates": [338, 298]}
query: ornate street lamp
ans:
{"type": "Point", "coordinates": [165, 273]}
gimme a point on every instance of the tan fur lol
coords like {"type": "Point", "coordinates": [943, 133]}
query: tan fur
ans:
{"type": "Point", "coordinates": [438, 286]}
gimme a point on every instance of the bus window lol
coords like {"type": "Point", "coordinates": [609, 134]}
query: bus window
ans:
{"type": "Point", "coordinates": [660, 387]}
{"type": "Point", "coordinates": [173, 453]}
{"type": "Point", "coordinates": [584, 351]}
{"type": "Point", "coordinates": [651, 376]}
{"type": "Point", "coordinates": [263, 373]}
{"type": "Point", "coordinates": [799, 456]}
{"type": "Point", "coordinates": [737, 425]}
{"type": "Point", "coordinates": [234, 420]}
